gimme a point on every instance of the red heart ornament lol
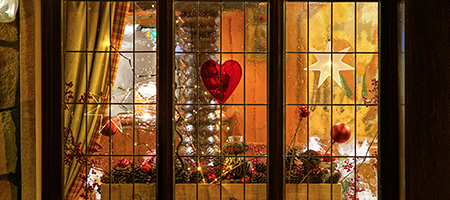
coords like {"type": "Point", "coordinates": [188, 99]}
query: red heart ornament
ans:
{"type": "Point", "coordinates": [221, 85]}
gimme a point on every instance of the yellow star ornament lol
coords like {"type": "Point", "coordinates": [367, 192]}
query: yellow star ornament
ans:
{"type": "Point", "coordinates": [324, 66]}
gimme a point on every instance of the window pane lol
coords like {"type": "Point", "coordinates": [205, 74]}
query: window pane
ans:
{"type": "Point", "coordinates": [110, 100]}
{"type": "Point", "coordinates": [296, 26]}
{"type": "Point", "coordinates": [331, 100]}
{"type": "Point", "coordinates": [367, 27]}
{"type": "Point", "coordinates": [221, 100]}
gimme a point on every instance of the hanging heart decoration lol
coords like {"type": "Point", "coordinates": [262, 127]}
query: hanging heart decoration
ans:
{"type": "Point", "coordinates": [221, 85]}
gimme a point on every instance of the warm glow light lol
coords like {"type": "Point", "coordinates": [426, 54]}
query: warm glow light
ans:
{"type": "Point", "coordinates": [146, 93]}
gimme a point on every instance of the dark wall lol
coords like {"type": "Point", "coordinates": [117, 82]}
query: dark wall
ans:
{"type": "Point", "coordinates": [427, 93]}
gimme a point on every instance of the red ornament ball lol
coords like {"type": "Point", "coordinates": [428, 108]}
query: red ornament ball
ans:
{"type": "Point", "coordinates": [146, 167]}
{"type": "Point", "coordinates": [340, 132]}
{"type": "Point", "coordinates": [110, 127]}
{"type": "Point", "coordinates": [123, 163]}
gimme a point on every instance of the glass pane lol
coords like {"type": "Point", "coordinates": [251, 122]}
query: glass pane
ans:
{"type": "Point", "coordinates": [367, 132]}
{"type": "Point", "coordinates": [255, 77]}
{"type": "Point", "coordinates": [331, 100]}
{"type": "Point", "coordinates": [344, 115]}
{"type": "Point", "coordinates": [319, 83]}
{"type": "Point", "coordinates": [344, 90]}
{"type": "Point", "coordinates": [296, 79]}
{"type": "Point", "coordinates": [296, 26]}
{"type": "Point", "coordinates": [343, 26]}
{"type": "Point", "coordinates": [110, 100]}
{"type": "Point", "coordinates": [233, 27]}
{"type": "Point", "coordinates": [255, 27]}
{"type": "Point", "coordinates": [319, 27]}
{"type": "Point", "coordinates": [367, 27]}
{"type": "Point", "coordinates": [237, 97]}
{"type": "Point", "coordinates": [221, 100]}
{"type": "Point", "coordinates": [367, 74]}
{"type": "Point", "coordinates": [144, 27]}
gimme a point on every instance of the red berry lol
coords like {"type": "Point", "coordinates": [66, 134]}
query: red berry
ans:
{"type": "Point", "coordinates": [303, 112]}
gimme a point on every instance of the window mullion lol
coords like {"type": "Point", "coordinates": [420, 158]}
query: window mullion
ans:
{"type": "Point", "coordinates": [276, 141]}
{"type": "Point", "coordinates": [165, 71]}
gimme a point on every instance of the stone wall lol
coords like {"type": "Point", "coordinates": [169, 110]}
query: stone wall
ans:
{"type": "Point", "coordinates": [9, 110]}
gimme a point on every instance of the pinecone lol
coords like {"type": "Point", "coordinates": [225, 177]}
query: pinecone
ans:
{"type": "Point", "coordinates": [243, 169]}
{"type": "Point", "coordinates": [195, 177]}
{"type": "Point", "coordinates": [318, 177]}
{"type": "Point", "coordinates": [295, 177]}
{"type": "Point", "coordinates": [259, 177]}
{"type": "Point", "coordinates": [261, 167]}
{"type": "Point", "coordinates": [121, 174]}
{"type": "Point", "coordinates": [291, 155]}
{"type": "Point", "coordinates": [153, 174]}
{"type": "Point", "coordinates": [141, 176]}
{"type": "Point", "coordinates": [105, 178]}
{"type": "Point", "coordinates": [310, 159]}
{"type": "Point", "coordinates": [335, 178]}
{"type": "Point", "coordinates": [181, 175]}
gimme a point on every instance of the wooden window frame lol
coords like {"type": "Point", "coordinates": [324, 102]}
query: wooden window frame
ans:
{"type": "Point", "coordinates": [52, 139]}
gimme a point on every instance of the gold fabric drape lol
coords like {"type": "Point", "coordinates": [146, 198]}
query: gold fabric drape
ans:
{"type": "Point", "coordinates": [89, 30]}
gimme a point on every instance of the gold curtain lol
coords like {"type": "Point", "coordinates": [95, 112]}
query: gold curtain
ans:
{"type": "Point", "coordinates": [89, 30]}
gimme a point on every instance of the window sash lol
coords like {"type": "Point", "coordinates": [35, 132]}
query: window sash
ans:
{"type": "Point", "coordinates": [52, 93]}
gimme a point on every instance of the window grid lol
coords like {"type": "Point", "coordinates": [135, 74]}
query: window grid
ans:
{"type": "Point", "coordinates": [86, 51]}
{"type": "Point", "coordinates": [244, 53]}
{"type": "Point", "coordinates": [332, 104]}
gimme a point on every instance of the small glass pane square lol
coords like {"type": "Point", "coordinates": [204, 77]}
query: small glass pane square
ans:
{"type": "Point", "coordinates": [343, 26]}
{"type": "Point", "coordinates": [256, 27]}
{"type": "Point", "coordinates": [366, 77]}
{"type": "Point", "coordinates": [296, 26]}
{"type": "Point", "coordinates": [255, 77]}
{"type": "Point", "coordinates": [367, 27]}
{"type": "Point", "coordinates": [232, 27]}
{"type": "Point", "coordinates": [296, 78]}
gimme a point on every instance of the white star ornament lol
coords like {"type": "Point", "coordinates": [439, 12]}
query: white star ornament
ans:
{"type": "Point", "coordinates": [323, 65]}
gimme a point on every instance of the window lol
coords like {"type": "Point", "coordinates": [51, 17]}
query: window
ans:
{"type": "Point", "coordinates": [221, 108]}
{"type": "Point", "coordinates": [332, 91]}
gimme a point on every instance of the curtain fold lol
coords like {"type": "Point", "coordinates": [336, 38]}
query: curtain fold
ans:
{"type": "Point", "coordinates": [90, 63]}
